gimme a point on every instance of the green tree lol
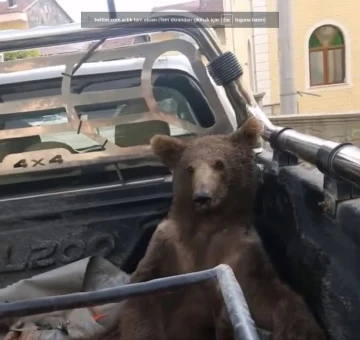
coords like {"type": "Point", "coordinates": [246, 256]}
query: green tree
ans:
{"type": "Point", "coordinates": [14, 55]}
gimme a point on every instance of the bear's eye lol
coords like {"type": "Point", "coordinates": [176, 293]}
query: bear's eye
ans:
{"type": "Point", "coordinates": [190, 169]}
{"type": "Point", "coordinates": [219, 165]}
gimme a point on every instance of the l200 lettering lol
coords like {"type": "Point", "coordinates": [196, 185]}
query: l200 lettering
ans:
{"type": "Point", "coordinates": [47, 253]}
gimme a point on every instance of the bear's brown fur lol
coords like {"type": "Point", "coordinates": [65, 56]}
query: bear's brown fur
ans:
{"type": "Point", "coordinates": [209, 224]}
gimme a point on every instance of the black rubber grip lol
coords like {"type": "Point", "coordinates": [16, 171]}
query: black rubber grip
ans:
{"type": "Point", "coordinates": [325, 157]}
{"type": "Point", "coordinates": [275, 135]}
{"type": "Point", "coordinates": [225, 68]}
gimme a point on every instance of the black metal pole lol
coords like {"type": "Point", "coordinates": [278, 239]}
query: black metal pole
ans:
{"type": "Point", "coordinates": [112, 9]}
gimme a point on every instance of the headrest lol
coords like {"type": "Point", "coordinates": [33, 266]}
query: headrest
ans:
{"type": "Point", "coordinates": [140, 133]}
{"type": "Point", "coordinates": [16, 145]}
{"type": "Point", "coordinates": [48, 146]}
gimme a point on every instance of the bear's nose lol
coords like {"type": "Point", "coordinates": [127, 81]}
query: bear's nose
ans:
{"type": "Point", "coordinates": [202, 198]}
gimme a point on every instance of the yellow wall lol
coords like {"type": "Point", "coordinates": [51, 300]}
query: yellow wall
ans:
{"type": "Point", "coordinates": [13, 25]}
{"type": "Point", "coordinates": [273, 57]}
{"type": "Point", "coordinates": [237, 37]}
{"type": "Point", "coordinates": [156, 37]}
{"type": "Point", "coordinates": [306, 16]}
{"type": "Point", "coordinates": [164, 36]}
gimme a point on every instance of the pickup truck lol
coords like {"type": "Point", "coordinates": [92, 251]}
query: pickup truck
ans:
{"type": "Point", "coordinates": [78, 180]}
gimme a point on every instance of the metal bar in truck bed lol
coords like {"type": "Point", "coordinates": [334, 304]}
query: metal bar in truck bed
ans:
{"type": "Point", "coordinates": [243, 324]}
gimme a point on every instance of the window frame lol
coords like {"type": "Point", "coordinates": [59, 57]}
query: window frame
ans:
{"type": "Point", "coordinates": [325, 56]}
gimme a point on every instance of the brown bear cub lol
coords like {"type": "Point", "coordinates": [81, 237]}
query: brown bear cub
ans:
{"type": "Point", "coordinates": [209, 224]}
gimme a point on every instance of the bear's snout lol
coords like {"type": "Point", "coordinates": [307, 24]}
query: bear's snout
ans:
{"type": "Point", "coordinates": [202, 199]}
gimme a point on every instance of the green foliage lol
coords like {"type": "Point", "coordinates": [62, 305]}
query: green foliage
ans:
{"type": "Point", "coordinates": [14, 55]}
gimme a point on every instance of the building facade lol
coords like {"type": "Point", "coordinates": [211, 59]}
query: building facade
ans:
{"type": "Point", "coordinates": [24, 14]}
{"type": "Point", "coordinates": [325, 46]}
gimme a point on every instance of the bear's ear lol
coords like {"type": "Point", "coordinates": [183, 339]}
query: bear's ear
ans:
{"type": "Point", "coordinates": [168, 149]}
{"type": "Point", "coordinates": [248, 134]}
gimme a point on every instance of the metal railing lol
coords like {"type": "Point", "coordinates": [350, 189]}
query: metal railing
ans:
{"type": "Point", "coordinates": [343, 161]}
{"type": "Point", "coordinates": [233, 297]}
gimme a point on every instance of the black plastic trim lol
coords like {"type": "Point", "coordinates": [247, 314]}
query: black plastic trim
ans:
{"type": "Point", "coordinates": [274, 137]}
{"type": "Point", "coordinates": [325, 157]}
{"type": "Point", "coordinates": [225, 68]}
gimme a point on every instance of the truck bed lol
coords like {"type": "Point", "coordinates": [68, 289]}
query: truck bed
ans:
{"type": "Point", "coordinates": [44, 232]}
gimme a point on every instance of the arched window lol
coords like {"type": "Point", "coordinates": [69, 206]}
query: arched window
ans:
{"type": "Point", "coordinates": [327, 56]}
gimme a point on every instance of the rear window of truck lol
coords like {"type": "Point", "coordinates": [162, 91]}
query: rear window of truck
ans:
{"type": "Point", "coordinates": [176, 93]}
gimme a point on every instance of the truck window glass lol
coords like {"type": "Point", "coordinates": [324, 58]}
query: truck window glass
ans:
{"type": "Point", "coordinates": [176, 94]}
